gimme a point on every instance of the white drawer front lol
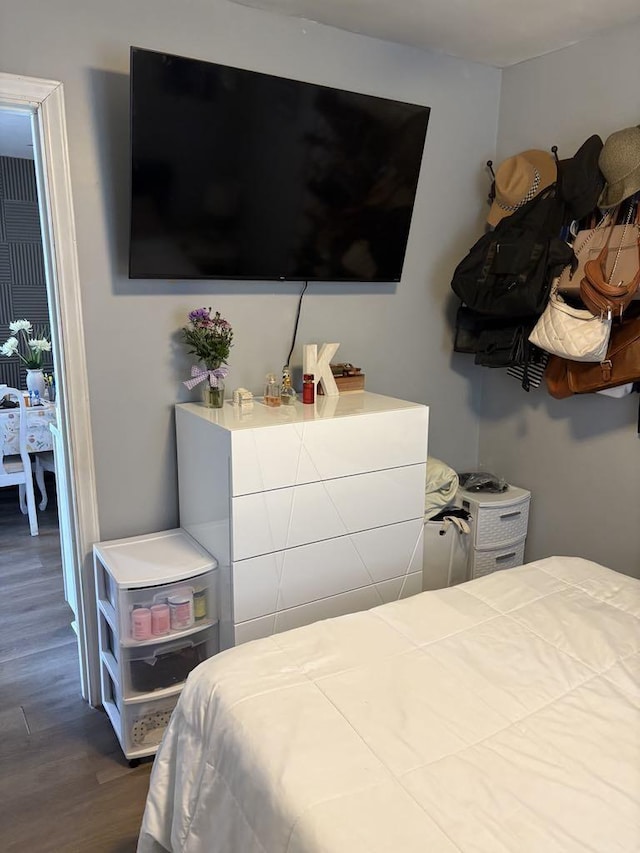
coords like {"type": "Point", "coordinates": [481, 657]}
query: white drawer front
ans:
{"type": "Point", "coordinates": [292, 454]}
{"type": "Point", "coordinates": [285, 518]}
{"type": "Point", "coordinates": [496, 525]}
{"type": "Point", "coordinates": [144, 723]}
{"type": "Point", "coordinates": [485, 562]}
{"type": "Point", "coordinates": [285, 579]}
{"type": "Point", "coordinates": [326, 608]}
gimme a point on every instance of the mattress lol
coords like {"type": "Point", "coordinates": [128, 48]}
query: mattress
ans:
{"type": "Point", "coordinates": [499, 715]}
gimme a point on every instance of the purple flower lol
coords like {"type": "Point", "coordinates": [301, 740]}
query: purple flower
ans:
{"type": "Point", "coordinates": [200, 315]}
{"type": "Point", "coordinates": [209, 338]}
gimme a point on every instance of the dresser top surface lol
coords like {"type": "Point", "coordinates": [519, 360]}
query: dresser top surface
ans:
{"type": "Point", "coordinates": [257, 414]}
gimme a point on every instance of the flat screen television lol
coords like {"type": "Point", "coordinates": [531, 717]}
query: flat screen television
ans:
{"type": "Point", "coordinates": [237, 174]}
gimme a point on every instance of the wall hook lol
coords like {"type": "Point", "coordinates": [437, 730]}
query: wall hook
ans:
{"type": "Point", "coordinates": [492, 191]}
{"type": "Point", "coordinates": [554, 151]}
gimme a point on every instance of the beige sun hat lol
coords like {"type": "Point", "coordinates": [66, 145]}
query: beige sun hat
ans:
{"type": "Point", "coordinates": [619, 162]}
{"type": "Point", "coordinates": [519, 179]}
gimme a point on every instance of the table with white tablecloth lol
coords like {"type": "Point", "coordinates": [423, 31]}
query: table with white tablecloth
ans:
{"type": "Point", "coordinates": [39, 436]}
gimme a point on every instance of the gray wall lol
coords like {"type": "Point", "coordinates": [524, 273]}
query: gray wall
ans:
{"type": "Point", "coordinates": [400, 335]}
{"type": "Point", "coordinates": [580, 457]}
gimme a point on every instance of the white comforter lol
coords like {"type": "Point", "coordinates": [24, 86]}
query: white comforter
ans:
{"type": "Point", "coordinates": [500, 715]}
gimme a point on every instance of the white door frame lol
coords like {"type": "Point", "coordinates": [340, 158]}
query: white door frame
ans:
{"type": "Point", "coordinates": [44, 101]}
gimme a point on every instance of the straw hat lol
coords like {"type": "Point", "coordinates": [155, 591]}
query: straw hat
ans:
{"type": "Point", "coordinates": [619, 162]}
{"type": "Point", "coordinates": [518, 180]}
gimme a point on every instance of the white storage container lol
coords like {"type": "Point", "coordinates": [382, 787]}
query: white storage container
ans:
{"type": "Point", "coordinates": [446, 555]}
{"type": "Point", "coordinates": [499, 528]}
{"type": "Point", "coordinates": [143, 671]}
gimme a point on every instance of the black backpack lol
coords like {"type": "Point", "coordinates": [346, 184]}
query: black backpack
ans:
{"type": "Point", "coordinates": [508, 271]}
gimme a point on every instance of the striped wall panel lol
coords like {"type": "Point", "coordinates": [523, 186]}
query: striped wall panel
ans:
{"type": "Point", "coordinates": [18, 179]}
{"type": "Point", "coordinates": [21, 221]}
{"type": "Point", "coordinates": [11, 374]}
{"type": "Point", "coordinates": [5, 263]}
{"type": "Point", "coordinates": [23, 293]}
{"type": "Point", "coordinates": [6, 309]}
{"type": "Point", "coordinates": [30, 303]}
{"type": "Point", "coordinates": [27, 263]}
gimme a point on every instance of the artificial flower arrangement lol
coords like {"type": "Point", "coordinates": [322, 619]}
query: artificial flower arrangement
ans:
{"type": "Point", "coordinates": [32, 347]}
{"type": "Point", "coordinates": [209, 338]}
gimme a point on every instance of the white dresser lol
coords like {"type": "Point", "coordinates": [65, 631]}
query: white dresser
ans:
{"type": "Point", "coordinates": [311, 511]}
{"type": "Point", "coordinates": [499, 525]}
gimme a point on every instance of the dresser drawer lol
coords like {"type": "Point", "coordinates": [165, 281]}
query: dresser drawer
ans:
{"type": "Point", "coordinates": [326, 608]}
{"type": "Point", "coordinates": [286, 518]}
{"type": "Point", "coordinates": [285, 579]}
{"type": "Point", "coordinates": [485, 562]}
{"type": "Point", "coordinates": [307, 452]}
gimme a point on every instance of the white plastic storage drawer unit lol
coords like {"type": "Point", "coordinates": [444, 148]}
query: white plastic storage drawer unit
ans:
{"type": "Point", "coordinates": [157, 620]}
{"type": "Point", "coordinates": [499, 528]}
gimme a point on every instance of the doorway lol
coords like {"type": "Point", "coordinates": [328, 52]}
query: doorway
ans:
{"type": "Point", "coordinates": [42, 101]}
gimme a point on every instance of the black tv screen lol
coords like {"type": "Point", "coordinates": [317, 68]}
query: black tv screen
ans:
{"type": "Point", "coordinates": [237, 174]}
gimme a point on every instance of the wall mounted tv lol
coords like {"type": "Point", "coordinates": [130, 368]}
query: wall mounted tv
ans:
{"type": "Point", "coordinates": [241, 175]}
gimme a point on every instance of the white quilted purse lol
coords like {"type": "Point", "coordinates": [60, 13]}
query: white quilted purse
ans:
{"type": "Point", "coordinates": [572, 333]}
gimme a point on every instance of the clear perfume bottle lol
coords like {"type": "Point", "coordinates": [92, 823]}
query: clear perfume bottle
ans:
{"type": "Point", "coordinates": [272, 391]}
{"type": "Point", "coordinates": [287, 391]}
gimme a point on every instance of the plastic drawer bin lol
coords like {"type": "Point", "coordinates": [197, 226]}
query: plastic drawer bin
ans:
{"type": "Point", "coordinates": [167, 664]}
{"type": "Point", "coordinates": [148, 596]}
{"type": "Point", "coordinates": [145, 722]}
{"type": "Point", "coordinates": [486, 562]}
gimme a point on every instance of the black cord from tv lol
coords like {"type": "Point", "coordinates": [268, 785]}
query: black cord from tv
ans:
{"type": "Point", "coordinates": [295, 328]}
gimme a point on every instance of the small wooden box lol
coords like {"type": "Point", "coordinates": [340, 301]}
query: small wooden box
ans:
{"type": "Point", "coordinates": [347, 383]}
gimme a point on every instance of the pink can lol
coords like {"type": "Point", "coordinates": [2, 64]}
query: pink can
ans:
{"type": "Point", "coordinates": [160, 622]}
{"type": "Point", "coordinates": [181, 611]}
{"type": "Point", "coordinates": [141, 623]}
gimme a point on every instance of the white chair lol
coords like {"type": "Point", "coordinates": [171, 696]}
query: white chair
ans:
{"type": "Point", "coordinates": [44, 462]}
{"type": "Point", "coordinates": [15, 470]}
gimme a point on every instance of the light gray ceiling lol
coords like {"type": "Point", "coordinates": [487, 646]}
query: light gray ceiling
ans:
{"type": "Point", "coordinates": [494, 32]}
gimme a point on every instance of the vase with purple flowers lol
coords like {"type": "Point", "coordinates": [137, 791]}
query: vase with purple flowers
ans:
{"type": "Point", "coordinates": [210, 339]}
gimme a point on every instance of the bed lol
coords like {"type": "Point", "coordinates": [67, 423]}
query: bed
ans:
{"type": "Point", "coordinates": [498, 716]}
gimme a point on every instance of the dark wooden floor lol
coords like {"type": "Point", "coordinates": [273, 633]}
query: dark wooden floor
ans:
{"type": "Point", "coordinates": [65, 786]}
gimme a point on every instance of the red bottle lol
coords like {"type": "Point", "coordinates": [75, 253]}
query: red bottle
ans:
{"type": "Point", "coordinates": [308, 388]}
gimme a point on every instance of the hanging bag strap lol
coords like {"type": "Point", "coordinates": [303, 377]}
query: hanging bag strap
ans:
{"type": "Point", "coordinates": [627, 223]}
{"type": "Point", "coordinates": [608, 220]}
{"type": "Point", "coordinates": [597, 292]}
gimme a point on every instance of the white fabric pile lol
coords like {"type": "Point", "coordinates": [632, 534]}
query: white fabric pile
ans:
{"type": "Point", "coordinates": [441, 487]}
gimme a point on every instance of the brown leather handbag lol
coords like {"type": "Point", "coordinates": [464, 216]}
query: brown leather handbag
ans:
{"type": "Point", "coordinates": [622, 365]}
{"type": "Point", "coordinates": [603, 298]}
{"type": "Point", "coordinates": [622, 252]}
{"type": "Point", "coordinates": [556, 378]}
